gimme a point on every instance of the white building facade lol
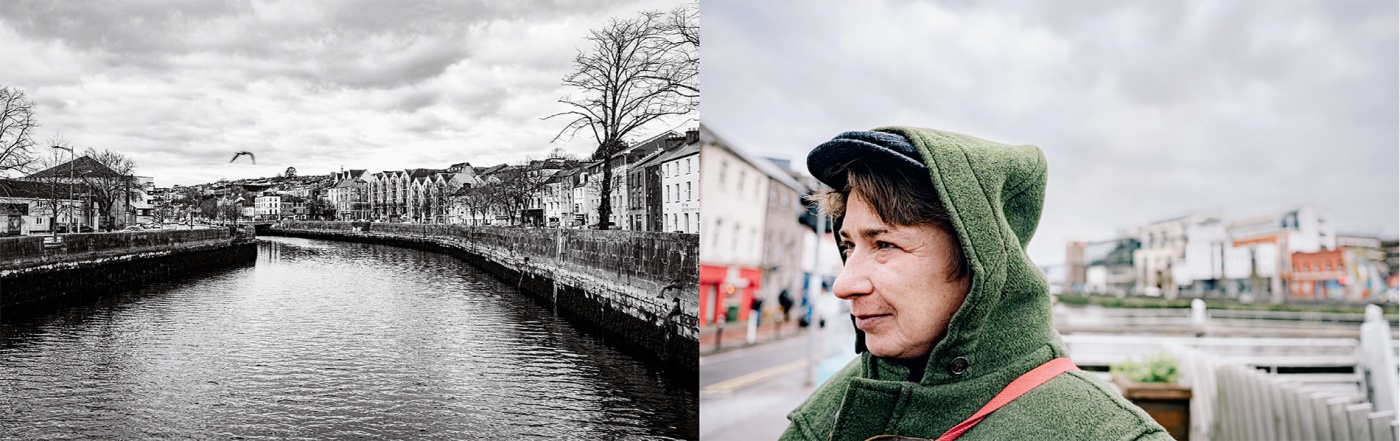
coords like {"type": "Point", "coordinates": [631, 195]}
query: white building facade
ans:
{"type": "Point", "coordinates": [680, 190]}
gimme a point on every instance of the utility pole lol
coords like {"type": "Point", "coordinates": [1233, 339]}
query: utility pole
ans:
{"type": "Point", "coordinates": [127, 189]}
{"type": "Point", "coordinates": [814, 286]}
{"type": "Point", "coordinates": [71, 221]}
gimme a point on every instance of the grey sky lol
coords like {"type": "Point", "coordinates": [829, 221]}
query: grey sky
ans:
{"type": "Point", "coordinates": [179, 86]}
{"type": "Point", "coordinates": [1145, 110]}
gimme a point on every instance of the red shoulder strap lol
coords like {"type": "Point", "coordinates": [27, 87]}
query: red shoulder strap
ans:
{"type": "Point", "coordinates": [1024, 383]}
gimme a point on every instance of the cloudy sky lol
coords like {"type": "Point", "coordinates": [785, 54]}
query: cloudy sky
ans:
{"type": "Point", "coordinates": [179, 86]}
{"type": "Point", "coordinates": [1145, 110]}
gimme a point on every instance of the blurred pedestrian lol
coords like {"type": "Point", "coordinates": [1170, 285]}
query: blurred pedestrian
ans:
{"type": "Point", "coordinates": [755, 311]}
{"type": "Point", "coordinates": [785, 305]}
{"type": "Point", "coordinates": [932, 228]}
{"type": "Point", "coordinates": [785, 302]}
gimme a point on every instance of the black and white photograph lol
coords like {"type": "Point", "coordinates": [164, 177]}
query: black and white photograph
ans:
{"type": "Point", "coordinates": [255, 219]}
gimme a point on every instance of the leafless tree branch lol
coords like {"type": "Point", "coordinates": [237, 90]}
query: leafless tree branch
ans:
{"type": "Point", "coordinates": [634, 72]}
{"type": "Point", "coordinates": [16, 126]}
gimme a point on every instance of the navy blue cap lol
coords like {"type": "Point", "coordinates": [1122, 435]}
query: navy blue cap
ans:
{"type": "Point", "coordinates": [875, 148]}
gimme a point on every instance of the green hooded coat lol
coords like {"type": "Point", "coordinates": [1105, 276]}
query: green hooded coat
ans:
{"type": "Point", "coordinates": [993, 193]}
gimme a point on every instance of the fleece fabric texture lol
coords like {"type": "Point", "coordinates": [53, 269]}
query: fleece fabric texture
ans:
{"type": "Point", "coordinates": [993, 193]}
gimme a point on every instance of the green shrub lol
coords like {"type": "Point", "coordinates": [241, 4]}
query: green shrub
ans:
{"type": "Point", "coordinates": [1159, 368]}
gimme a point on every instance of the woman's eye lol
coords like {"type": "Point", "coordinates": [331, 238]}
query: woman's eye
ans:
{"type": "Point", "coordinates": [884, 245]}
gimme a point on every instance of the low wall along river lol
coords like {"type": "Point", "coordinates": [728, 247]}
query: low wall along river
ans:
{"type": "Point", "coordinates": [41, 272]}
{"type": "Point", "coordinates": [637, 290]}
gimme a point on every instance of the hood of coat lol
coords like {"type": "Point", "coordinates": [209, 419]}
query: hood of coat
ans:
{"type": "Point", "coordinates": [993, 193]}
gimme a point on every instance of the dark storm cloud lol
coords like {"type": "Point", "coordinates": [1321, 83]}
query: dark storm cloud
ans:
{"type": "Point", "coordinates": [316, 85]}
{"type": "Point", "coordinates": [1145, 109]}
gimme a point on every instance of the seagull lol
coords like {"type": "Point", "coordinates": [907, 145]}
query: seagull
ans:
{"type": "Point", "coordinates": [250, 156]}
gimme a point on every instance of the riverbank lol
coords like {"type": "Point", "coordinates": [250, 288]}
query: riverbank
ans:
{"type": "Point", "coordinates": [35, 277]}
{"type": "Point", "coordinates": [631, 289]}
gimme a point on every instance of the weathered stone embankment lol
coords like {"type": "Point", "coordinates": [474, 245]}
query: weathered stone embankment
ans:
{"type": "Point", "coordinates": [636, 290]}
{"type": "Point", "coordinates": [35, 276]}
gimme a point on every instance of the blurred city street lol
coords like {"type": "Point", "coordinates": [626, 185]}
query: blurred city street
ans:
{"type": "Point", "coordinates": [747, 392]}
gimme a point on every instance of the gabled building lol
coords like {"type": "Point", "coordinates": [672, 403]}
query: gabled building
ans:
{"type": "Point", "coordinates": [559, 199]}
{"type": "Point", "coordinates": [28, 207]}
{"type": "Point", "coordinates": [124, 194]}
{"type": "Point", "coordinates": [268, 206]}
{"type": "Point", "coordinates": [734, 189]}
{"type": "Point", "coordinates": [643, 184]}
{"type": "Point", "coordinates": [417, 195]}
{"type": "Point", "coordinates": [622, 215]}
{"type": "Point", "coordinates": [349, 195]}
{"type": "Point", "coordinates": [680, 187]}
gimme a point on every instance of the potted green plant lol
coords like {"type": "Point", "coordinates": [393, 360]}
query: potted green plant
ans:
{"type": "Point", "coordinates": [1150, 382]}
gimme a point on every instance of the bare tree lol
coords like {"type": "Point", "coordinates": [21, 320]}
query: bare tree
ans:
{"type": "Point", "coordinates": [631, 76]}
{"type": "Point", "coordinates": [682, 33]}
{"type": "Point", "coordinates": [229, 208]}
{"type": "Point", "coordinates": [109, 181]}
{"type": "Point", "coordinates": [560, 153]}
{"type": "Point", "coordinates": [16, 124]}
{"type": "Point", "coordinates": [523, 183]}
{"type": "Point", "coordinates": [209, 208]}
{"type": "Point", "coordinates": [188, 201]}
{"type": "Point", "coordinates": [163, 211]}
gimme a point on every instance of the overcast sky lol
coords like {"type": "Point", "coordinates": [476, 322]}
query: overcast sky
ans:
{"type": "Point", "coordinates": [1145, 110]}
{"type": "Point", "coordinates": [180, 86]}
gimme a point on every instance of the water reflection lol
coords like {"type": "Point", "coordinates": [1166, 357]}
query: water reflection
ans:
{"type": "Point", "coordinates": [327, 340]}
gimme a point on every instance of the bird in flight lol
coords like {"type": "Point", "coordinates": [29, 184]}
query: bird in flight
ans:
{"type": "Point", "coordinates": [250, 156]}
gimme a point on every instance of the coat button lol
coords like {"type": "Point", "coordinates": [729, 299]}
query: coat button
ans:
{"type": "Point", "coordinates": [958, 366]}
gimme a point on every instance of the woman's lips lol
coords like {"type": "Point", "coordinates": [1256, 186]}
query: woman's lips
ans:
{"type": "Point", "coordinates": [867, 321]}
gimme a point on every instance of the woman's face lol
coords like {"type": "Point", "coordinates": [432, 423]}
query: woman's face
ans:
{"type": "Point", "coordinates": [897, 279]}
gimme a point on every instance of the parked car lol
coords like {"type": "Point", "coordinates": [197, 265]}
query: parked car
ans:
{"type": "Point", "coordinates": [134, 228]}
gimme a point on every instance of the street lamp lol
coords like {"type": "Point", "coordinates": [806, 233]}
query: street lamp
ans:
{"type": "Point", "coordinates": [70, 188]}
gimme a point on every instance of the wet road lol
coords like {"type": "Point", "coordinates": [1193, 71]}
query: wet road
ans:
{"type": "Point", "coordinates": [324, 340]}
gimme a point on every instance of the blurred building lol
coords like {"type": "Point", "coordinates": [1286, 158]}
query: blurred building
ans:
{"type": "Point", "coordinates": [734, 192]}
{"type": "Point", "coordinates": [783, 244]}
{"type": "Point", "coordinates": [1355, 270]}
{"type": "Point", "coordinates": [1392, 259]}
{"type": "Point", "coordinates": [1207, 254]}
{"type": "Point", "coordinates": [1163, 248]}
{"type": "Point", "coordinates": [1103, 267]}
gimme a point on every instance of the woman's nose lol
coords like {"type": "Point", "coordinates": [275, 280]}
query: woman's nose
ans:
{"type": "Point", "coordinates": [854, 279]}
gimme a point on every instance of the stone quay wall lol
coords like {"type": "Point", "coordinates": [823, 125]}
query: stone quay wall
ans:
{"type": "Point", "coordinates": [30, 251]}
{"type": "Point", "coordinates": [35, 276]}
{"type": "Point", "coordinates": [636, 289]}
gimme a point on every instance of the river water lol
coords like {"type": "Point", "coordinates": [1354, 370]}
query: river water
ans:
{"type": "Point", "coordinates": [327, 340]}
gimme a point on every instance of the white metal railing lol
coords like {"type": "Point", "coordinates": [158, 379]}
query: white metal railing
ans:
{"type": "Point", "coordinates": [1239, 391]}
{"type": "Point", "coordinates": [1255, 405]}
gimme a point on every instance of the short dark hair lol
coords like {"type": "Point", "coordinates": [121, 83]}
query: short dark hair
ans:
{"type": "Point", "coordinates": [899, 197]}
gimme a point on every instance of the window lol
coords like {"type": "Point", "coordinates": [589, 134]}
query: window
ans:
{"type": "Point", "coordinates": [715, 237]}
{"type": "Point", "coordinates": [686, 224]}
{"type": "Point", "coordinates": [687, 191]}
{"type": "Point", "coordinates": [687, 166]}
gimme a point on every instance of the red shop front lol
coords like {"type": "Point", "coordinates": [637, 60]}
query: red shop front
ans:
{"type": "Point", "coordinates": [731, 286]}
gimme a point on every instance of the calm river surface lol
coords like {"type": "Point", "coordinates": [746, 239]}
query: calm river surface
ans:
{"type": "Point", "coordinates": [327, 340]}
